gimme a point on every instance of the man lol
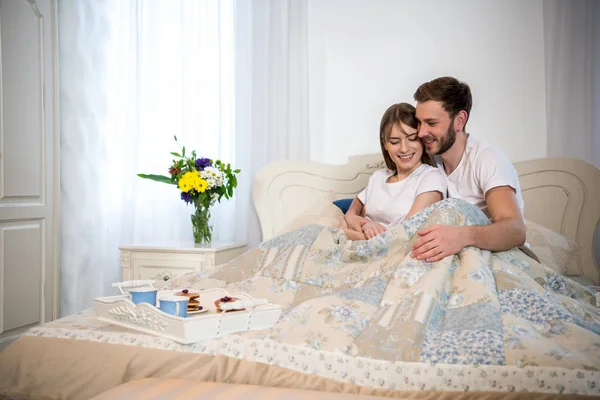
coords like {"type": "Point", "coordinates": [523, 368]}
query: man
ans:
{"type": "Point", "coordinates": [477, 173]}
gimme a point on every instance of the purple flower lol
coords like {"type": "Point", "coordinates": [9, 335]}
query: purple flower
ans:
{"type": "Point", "coordinates": [202, 163]}
{"type": "Point", "coordinates": [186, 197]}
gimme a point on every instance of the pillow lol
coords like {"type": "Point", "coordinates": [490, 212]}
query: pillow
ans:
{"type": "Point", "coordinates": [329, 215]}
{"type": "Point", "coordinates": [321, 211]}
{"type": "Point", "coordinates": [554, 250]}
{"type": "Point", "coordinates": [343, 204]}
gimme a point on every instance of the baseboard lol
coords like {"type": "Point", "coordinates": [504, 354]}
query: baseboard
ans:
{"type": "Point", "coordinates": [8, 337]}
{"type": "Point", "coordinates": [6, 343]}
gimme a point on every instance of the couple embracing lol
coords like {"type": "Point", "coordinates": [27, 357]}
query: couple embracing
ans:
{"type": "Point", "coordinates": [429, 156]}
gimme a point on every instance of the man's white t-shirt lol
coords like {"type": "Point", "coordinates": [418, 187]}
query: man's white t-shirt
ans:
{"type": "Point", "coordinates": [481, 168]}
{"type": "Point", "coordinates": [389, 203]}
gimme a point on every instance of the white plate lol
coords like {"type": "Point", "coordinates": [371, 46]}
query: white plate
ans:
{"type": "Point", "coordinates": [197, 312]}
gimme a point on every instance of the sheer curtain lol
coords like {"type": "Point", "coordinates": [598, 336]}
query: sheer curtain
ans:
{"type": "Point", "coordinates": [228, 78]}
{"type": "Point", "coordinates": [132, 75]}
{"type": "Point", "coordinates": [271, 64]}
{"type": "Point", "coordinates": [572, 37]}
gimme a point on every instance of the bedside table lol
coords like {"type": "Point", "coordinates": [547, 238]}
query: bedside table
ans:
{"type": "Point", "coordinates": [164, 261]}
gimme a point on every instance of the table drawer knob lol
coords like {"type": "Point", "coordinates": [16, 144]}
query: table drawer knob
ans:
{"type": "Point", "coordinates": [166, 278]}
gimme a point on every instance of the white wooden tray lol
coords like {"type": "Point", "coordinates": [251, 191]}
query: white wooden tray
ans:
{"type": "Point", "coordinates": [143, 317]}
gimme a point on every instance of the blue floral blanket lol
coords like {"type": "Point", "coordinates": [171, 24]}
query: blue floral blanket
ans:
{"type": "Point", "coordinates": [365, 312]}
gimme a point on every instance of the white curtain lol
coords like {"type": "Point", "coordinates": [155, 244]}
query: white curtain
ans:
{"type": "Point", "coordinates": [132, 75]}
{"type": "Point", "coordinates": [228, 78]}
{"type": "Point", "coordinates": [271, 53]}
{"type": "Point", "coordinates": [572, 41]}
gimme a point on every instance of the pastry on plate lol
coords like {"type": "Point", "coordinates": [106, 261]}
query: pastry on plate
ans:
{"type": "Point", "coordinates": [194, 305]}
{"type": "Point", "coordinates": [194, 299]}
{"type": "Point", "coordinates": [226, 299]}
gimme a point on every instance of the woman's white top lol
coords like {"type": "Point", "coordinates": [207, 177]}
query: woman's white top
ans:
{"type": "Point", "coordinates": [389, 203]}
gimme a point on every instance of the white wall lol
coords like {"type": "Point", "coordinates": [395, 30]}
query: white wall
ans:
{"type": "Point", "coordinates": [365, 55]}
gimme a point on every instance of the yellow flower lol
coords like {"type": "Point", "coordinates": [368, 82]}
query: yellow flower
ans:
{"type": "Point", "coordinates": [191, 181]}
{"type": "Point", "coordinates": [188, 181]}
{"type": "Point", "coordinates": [200, 185]}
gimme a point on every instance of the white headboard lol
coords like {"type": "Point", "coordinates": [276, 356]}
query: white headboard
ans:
{"type": "Point", "coordinates": [559, 193]}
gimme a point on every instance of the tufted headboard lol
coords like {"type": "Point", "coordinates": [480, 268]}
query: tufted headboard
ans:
{"type": "Point", "coordinates": [561, 194]}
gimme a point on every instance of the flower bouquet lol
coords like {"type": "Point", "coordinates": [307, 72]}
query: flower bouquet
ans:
{"type": "Point", "coordinates": [202, 182]}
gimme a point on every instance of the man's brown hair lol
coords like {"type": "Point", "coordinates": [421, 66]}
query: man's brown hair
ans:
{"type": "Point", "coordinates": [396, 114]}
{"type": "Point", "coordinates": [453, 94]}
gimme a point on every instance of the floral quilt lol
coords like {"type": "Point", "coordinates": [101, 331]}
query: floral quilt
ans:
{"type": "Point", "coordinates": [365, 312]}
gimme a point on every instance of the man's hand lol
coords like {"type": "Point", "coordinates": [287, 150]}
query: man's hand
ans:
{"type": "Point", "coordinates": [355, 222]}
{"type": "Point", "coordinates": [439, 241]}
{"type": "Point", "coordinates": [372, 229]}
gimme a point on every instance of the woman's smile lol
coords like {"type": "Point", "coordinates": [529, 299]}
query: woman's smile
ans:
{"type": "Point", "coordinates": [406, 157]}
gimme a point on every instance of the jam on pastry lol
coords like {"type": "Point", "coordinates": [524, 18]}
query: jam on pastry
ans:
{"type": "Point", "coordinates": [188, 294]}
{"type": "Point", "coordinates": [226, 299]}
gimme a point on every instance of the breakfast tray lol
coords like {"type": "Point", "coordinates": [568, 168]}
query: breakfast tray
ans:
{"type": "Point", "coordinates": [120, 310]}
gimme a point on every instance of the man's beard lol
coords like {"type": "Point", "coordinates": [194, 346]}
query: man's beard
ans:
{"type": "Point", "coordinates": [446, 142]}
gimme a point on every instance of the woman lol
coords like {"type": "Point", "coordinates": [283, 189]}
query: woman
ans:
{"type": "Point", "coordinates": [408, 185]}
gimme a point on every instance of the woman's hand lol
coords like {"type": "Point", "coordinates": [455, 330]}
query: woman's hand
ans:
{"type": "Point", "coordinates": [372, 229]}
{"type": "Point", "coordinates": [355, 222]}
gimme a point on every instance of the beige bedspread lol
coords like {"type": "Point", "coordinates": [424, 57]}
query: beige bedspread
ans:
{"type": "Point", "coordinates": [356, 315]}
{"type": "Point", "coordinates": [49, 368]}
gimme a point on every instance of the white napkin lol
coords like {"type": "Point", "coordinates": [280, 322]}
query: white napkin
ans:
{"type": "Point", "coordinates": [242, 304]}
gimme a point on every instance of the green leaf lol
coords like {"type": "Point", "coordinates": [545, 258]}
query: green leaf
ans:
{"type": "Point", "coordinates": [183, 151]}
{"type": "Point", "coordinates": [176, 154]}
{"type": "Point", "coordinates": [237, 171]}
{"type": "Point", "coordinates": [157, 178]}
{"type": "Point", "coordinates": [175, 137]}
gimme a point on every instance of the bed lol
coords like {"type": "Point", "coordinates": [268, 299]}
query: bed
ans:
{"type": "Point", "coordinates": [362, 317]}
{"type": "Point", "coordinates": [561, 194]}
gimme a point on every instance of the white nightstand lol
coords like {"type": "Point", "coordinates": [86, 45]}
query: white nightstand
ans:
{"type": "Point", "coordinates": [162, 262]}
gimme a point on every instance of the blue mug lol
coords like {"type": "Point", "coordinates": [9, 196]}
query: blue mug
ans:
{"type": "Point", "coordinates": [144, 294]}
{"type": "Point", "coordinates": [174, 305]}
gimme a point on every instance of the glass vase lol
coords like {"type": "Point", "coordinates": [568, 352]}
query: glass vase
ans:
{"type": "Point", "coordinates": [201, 227]}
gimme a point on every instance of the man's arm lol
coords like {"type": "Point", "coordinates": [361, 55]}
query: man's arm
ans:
{"type": "Point", "coordinates": [506, 231]}
{"type": "Point", "coordinates": [498, 179]}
